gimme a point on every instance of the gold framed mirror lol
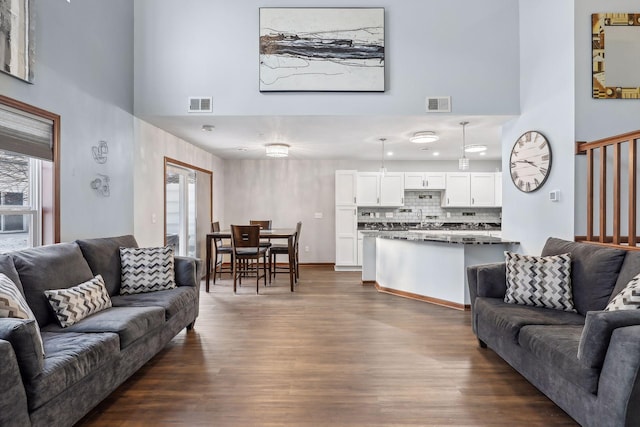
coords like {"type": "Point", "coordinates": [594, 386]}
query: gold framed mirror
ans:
{"type": "Point", "coordinates": [616, 63]}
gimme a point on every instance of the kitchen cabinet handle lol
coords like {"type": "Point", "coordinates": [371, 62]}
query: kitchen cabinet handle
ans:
{"type": "Point", "coordinates": [378, 200]}
{"type": "Point", "coordinates": [402, 201]}
{"type": "Point", "coordinates": [423, 183]}
{"type": "Point", "coordinates": [427, 183]}
{"type": "Point", "coordinates": [448, 201]}
{"type": "Point", "coordinates": [354, 200]}
{"type": "Point", "coordinates": [473, 201]}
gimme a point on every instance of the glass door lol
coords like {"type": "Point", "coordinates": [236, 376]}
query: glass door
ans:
{"type": "Point", "coordinates": [180, 218]}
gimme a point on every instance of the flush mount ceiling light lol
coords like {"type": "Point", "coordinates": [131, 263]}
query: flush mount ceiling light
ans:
{"type": "Point", "coordinates": [475, 148]}
{"type": "Point", "coordinates": [277, 150]}
{"type": "Point", "coordinates": [208, 128]}
{"type": "Point", "coordinates": [424, 137]}
{"type": "Point", "coordinates": [463, 162]}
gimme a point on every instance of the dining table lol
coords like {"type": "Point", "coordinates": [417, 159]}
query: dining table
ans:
{"type": "Point", "coordinates": [274, 233]}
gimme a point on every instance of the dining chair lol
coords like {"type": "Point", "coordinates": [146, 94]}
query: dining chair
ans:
{"type": "Point", "coordinates": [219, 250]}
{"type": "Point", "coordinates": [265, 243]}
{"type": "Point", "coordinates": [245, 242]}
{"type": "Point", "coordinates": [279, 249]}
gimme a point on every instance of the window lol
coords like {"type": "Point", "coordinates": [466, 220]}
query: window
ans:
{"type": "Point", "coordinates": [28, 176]}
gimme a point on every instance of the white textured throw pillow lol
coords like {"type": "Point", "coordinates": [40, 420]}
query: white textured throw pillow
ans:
{"type": "Point", "coordinates": [146, 270]}
{"type": "Point", "coordinates": [539, 281]}
{"type": "Point", "coordinates": [71, 305]}
{"type": "Point", "coordinates": [13, 304]}
{"type": "Point", "coordinates": [628, 298]}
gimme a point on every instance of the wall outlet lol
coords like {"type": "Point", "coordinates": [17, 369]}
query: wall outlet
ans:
{"type": "Point", "coordinates": [377, 214]}
{"type": "Point", "coordinates": [317, 215]}
{"type": "Point", "coordinates": [448, 214]}
{"type": "Point", "coordinates": [306, 248]}
{"type": "Point", "coordinates": [154, 218]}
{"type": "Point", "coordinates": [388, 214]}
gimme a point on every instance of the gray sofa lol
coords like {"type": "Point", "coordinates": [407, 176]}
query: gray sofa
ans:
{"type": "Point", "coordinates": [586, 362]}
{"type": "Point", "coordinates": [85, 362]}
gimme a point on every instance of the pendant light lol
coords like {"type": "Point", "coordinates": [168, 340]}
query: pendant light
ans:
{"type": "Point", "coordinates": [463, 162]}
{"type": "Point", "coordinates": [383, 170]}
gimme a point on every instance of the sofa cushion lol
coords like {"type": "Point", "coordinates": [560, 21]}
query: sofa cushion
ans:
{"type": "Point", "coordinates": [557, 346]}
{"type": "Point", "coordinates": [498, 318]}
{"type": "Point", "coordinates": [130, 323]}
{"type": "Point", "coordinates": [594, 271]}
{"type": "Point", "coordinates": [146, 270]}
{"type": "Point", "coordinates": [49, 267]}
{"type": "Point", "coordinates": [70, 358]}
{"type": "Point", "coordinates": [13, 305]}
{"type": "Point", "coordinates": [103, 256]}
{"type": "Point", "coordinates": [73, 304]}
{"type": "Point", "coordinates": [9, 269]}
{"type": "Point", "coordinates": [628, 298]}
{"type": "Point", "coordinates": [173, 300]}
{"type": "Point", "coordinates": [539, 281]}
{"type": "Point", "coordinates": [24, 336]}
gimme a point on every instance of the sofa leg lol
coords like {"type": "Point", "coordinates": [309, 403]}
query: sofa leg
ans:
{"type": "Point", "coordinates": [191, 325]}
{"type": "Point", "coordinates": [481, 343]}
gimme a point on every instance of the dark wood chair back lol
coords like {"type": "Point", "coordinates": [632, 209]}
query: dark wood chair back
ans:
{"type": "Point", "coordinates": [296, 239]}
{"type": "Point", "coordinates": [245, 236]}
{"type": "Point", "coordinates": [215, 227]}
{"type": "Point", "coordinates": [264, 224]}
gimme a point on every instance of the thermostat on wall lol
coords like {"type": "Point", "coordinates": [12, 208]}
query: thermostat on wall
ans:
{"type": "Point", "coordinates": [554, 195]}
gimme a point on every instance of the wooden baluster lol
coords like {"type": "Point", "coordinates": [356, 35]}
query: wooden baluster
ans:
{"type": "Point", "coordinates": [589, 195]}
{"type": "Point", "coordinates": [603, 194]}
{"type": "Point", "coordinates": [632, 191]}
{"type": "Point", "coordinates": [616, 194]}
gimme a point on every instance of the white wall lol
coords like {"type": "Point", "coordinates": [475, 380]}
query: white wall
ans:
{"type": "Point", "coordinates": [288, 191]}
{"type": "Point", "coordinates": [84, 73]}
{"type": "Point", "coordinates": [547, 105]}
{"type": "Point", "coordinates": [597, 118]}
{"type": "Point", "coordinates": [463, 48]}
{"type": "Point", "coordinates": [151, 146]}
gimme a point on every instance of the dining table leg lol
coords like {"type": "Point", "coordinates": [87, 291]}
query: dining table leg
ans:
{"type": "Point", "coordinates": [291, 261]}
{"type": "Point", "coordinates": [207, 275]}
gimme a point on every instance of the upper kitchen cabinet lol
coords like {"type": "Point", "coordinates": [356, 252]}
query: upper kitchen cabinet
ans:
{"type": "Point", "coordinates": [346, 182]}
{"type": "Point", "coordinates": [375, 189]}
{"type": "Point", "coordinates": [483, 189]}
{"type": "Point", "coordinates": [424, 181]}
{"type": "Point", "coordinates": [465, 190]}
{"type": "Point", "coordinates": [458, 190]}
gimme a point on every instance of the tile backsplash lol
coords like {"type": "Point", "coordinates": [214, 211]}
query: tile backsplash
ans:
{"type": "Point", "coordinates": [429, 203]}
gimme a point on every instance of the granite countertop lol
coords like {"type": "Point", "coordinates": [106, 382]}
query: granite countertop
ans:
{"type": "Point", "coordinates": [434, 237]}
{"type": "Point", "coordinates": [403, 226]}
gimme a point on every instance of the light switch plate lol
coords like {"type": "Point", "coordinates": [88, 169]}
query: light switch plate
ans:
{"type": "Point", "coordinates": [317, 215]}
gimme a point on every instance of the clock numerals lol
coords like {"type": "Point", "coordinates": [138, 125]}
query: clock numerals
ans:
{"type": "Point", "coordinates": [544, 171]}
{"type": "Point", "coordinates": [513, 165]}
{"type": "Point", "coordinates": [520, 183]}
{"type": "Point", "coordinates": [545, 157]}
{"type": "Point", "coordinates": [530, 161]}
{"type": "Point", "coordinates": [514, 175]}
{"type": "Point", "coordinates": [536, 182]}
{"type": "Point", "coordinates": [543, 145]}
{"type": "Point", "coordinates": [528, 186]}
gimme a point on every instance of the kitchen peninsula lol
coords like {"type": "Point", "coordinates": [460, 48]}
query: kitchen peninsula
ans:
{"type": "Point", "coordinates": [427, 265]}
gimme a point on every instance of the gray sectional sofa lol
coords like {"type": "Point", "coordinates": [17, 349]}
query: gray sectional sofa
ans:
{"type": "Point", "coordinates": [85, 362]}
{"type": "Point", "coordinates": [586, 362]}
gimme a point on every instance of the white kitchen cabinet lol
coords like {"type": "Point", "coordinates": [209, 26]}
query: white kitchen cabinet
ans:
{"type": "Point", "coordinates": [373, 189]}
{"type": "Point", "coordinates": [368, 189]}
{"type": "Point", "coordinates": [392, 189]}
{"type": "Point", "coordinates": [498, 190]}
{"type": "Point", "coordinates": [346, 236]}
{"type": "Point", "coordinates": [424, 180]}
{"type": "Point", "coordinates": [346, 181]}
{"type": "Point", "coordinates": [458, 190]}
{"type": "Point", "coordinates": [482, 188]}
{"type": "Point", "coordinates": [360, 240]}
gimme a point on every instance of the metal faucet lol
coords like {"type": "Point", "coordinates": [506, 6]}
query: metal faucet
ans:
{"type": "Point", "coordinates": [421, 217]}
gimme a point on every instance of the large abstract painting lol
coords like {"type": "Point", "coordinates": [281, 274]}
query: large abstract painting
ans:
{"type": "Point", "coordinates": [322, 49]}
{"type": "Point", "coordinates": [16, 39]}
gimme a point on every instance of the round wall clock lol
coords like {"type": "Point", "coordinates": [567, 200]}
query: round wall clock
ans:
{"type": "Point", "coordinates": [530, 161]}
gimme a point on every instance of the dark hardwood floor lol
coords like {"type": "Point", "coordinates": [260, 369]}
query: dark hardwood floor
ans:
{"type": "Point", "coordinates": [334, 353]}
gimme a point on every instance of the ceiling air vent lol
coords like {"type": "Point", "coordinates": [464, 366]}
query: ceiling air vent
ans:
{"type": "Point", "coordinates": [200, 104]}
{"type": "Point", "coordinates": [438, 104]}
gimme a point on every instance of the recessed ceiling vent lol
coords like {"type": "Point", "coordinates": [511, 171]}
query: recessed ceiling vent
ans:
{"type": "Point", "coordinates": [438, 104]}
{"type": "Point", "coordinates": [200, 104]}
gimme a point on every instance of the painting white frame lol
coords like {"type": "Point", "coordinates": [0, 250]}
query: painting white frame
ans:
{"type": "Point", "coordinates": [322, 50]}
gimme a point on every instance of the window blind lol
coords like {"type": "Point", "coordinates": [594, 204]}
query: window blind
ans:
{"type": "Point", "coordinates": [25, 133]}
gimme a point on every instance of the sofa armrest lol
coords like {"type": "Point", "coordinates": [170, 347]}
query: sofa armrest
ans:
{"type": "Point", "coordinates": [596, 335]}
{"type": "Point", "coordinates": [187, 271]}
{"type": "Point", "coordinates": [13, 399]}
{"type": "Point", "coordinates": [492, 280]}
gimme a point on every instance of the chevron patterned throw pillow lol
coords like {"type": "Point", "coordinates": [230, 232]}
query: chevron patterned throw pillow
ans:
{"type": "Point", "coordinates": [539, 281]}
{"type": "Point", "coordinates": [628, 298]}
{"type": "Point", "coordinates": [74, 304]}
{"type": "Point", "coordinates": [146, 270]}
{"type": "Point", "coordinates": [13, 304]}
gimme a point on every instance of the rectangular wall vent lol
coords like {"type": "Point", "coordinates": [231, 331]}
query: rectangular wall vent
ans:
{"type": "Point", "coordinates": [200, 104]}
{"type": "Point", "coordinates": [438, 104]}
